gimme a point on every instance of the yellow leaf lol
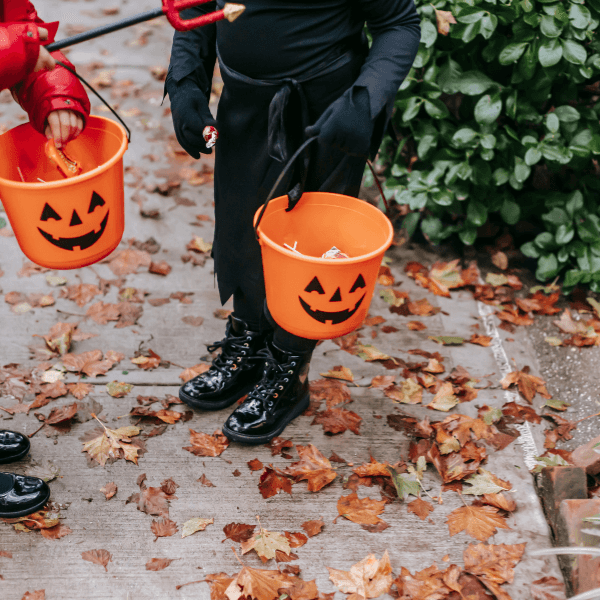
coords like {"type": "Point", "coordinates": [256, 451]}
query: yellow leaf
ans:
{"type": "Point", "coordinates": [195, 524]}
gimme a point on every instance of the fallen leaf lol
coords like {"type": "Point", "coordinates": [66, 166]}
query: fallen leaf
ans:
{"type": "Point", "coordinates": [265, 543]}
{"type": "Point", "coordinates": [369, 353]}
{"type": "Point", "coordinates": [528, 385]}
{"type": "Point", "coordinates": [271, 481]}
{"type": "Point", "coordinates": [61, 415]}
{"type": "Point", "coordinates": [445, 399]}
{"type": "Point", "coordinates": [363, 511]}
{"type": "Point", "coordinates": [194, 371]}
{"type": "Point", "coordinates": [548, 588]}
{"type": "Point", "coordinates": [128, 261]}
{"type": "Point", "coordinates": [158, 564]}
{"type": "Point", "coordinates": [38, 595]}
{"type": "Point", "coordinates": [296, 540]}
{"type": "Point", "coordinates": [339, 372]}
{"type": "Point", "coordinates": [238, 532]}
{"type": "Point", "coordinates": [407, 392]}
{"type": "Point", "coordinates": [113, 443]}
{"type": "Point", "coordinates": [98, 557]}
{"type": "Point", "coordinates": [207, 445]}
{"type": "Point", "coordinates": [369, 578]}
{"type": "Point", "coordinates": [56, 532]}
{"type": "Point", "coordinates": [480, 340]}
{"type": "Point", "coordinates": [109, 490]}
{"type": "Point", "coordinates": [194, 525]}
{"type": "Point", "coordinates": [485, 483]}
{"type": "Point", "coordinates": [420, 507]}
{"type": "Point", "coordinates": [205, 481]}
{"type": "Point", "coordinates": [338, 420]}
{"type": "Point", "coordinates": [501, 501]}
{"type": "Point", "coordinates": [90, 363]}
{"type": "Point", "coordinates": [80, 390]}
{"type": "Point", "coordinates": [254, 464]}
{"type": "Point", "coordinates": [163, 528]}
{"type": "Point", "coordinates": [447, 340]}
{"type": "Point", "coordinates": [81, 293]}
{"type": "Point", "coordinates": [416, 326]}
{"type": "Point", "coordinates": [333, 391]}
{"type": "Point", "coordinates": [149, 361]}
{"type": "Point", "coordinates": [480, 522]}
{"type": "Point", "coordinates": [313, 467]}
{"type": "Point", "coordinates": [118, 389]}
{"type": "Point", "coordinates": [255, 584]}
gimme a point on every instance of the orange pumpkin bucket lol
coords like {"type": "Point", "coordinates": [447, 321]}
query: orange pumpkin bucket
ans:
{"type": "Point", "coordinates": [65, 223]}
{"type": "Point", "coordinates": [314, 297]}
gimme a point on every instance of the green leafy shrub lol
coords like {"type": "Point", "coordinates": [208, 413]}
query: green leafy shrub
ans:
{"type": "Point", "coordinates": [499, 120]}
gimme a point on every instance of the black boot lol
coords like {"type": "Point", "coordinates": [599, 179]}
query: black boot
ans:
{"type": "Point", "coordinates": [13, 446]}
{"type": "Point", "coordinates": [280, 396]}
{"type": "Point", "coordinates": [20, 496]}
{"type": "Point", "coordinates": [234, 372]}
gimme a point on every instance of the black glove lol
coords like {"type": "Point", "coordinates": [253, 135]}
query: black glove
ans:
{"type": "Point", "coordinates": [346, 124]}
{"type": "Point", "coordinates": [190, 112]}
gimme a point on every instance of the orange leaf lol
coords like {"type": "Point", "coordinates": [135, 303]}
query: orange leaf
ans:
{"type": "Point", "coordinates": [271, 482]}
{"type": "Point", "coordinates": [313, 467]}
{"type": "Point", "coordinates": [207, 445]}
{"type": "Point", "coordinates": [98, 557]}
{"type": "Point", "coordinates": [362, 511]}
{"type": "Point", "coordinates": [480, 522]}
{"type": "Point", "coordinates": [420, 507]}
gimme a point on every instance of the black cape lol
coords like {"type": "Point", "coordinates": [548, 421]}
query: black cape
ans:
{"type": "Point", "coordinates": [283, 62]}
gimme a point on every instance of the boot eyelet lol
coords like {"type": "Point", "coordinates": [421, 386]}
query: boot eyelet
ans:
{"type": "Point", "coordinates": [246, 344]}
{"type": "Point", "coordinates": [293, 364]}
{"type": "Point", "coordinates": [290, 371]}
{"type": "Point", "coordinates": [275, 395]}
{"type": "Point", "coordinates": [233, 367]}
{"type": "Point", "coordinates": [280, 387]}
{"type": "Point", "coordinates": [239, 358]}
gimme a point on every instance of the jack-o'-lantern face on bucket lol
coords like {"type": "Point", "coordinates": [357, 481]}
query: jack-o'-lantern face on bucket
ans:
{"type": "Point", "coordinates": [63, 236]}
{"type": "Point", "coordinates": [317, 309]}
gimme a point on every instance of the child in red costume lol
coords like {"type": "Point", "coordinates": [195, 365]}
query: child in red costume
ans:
{"type": "Point", "coordinates": [57, 106]}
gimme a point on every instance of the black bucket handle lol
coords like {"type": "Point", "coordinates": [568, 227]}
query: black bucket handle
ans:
{"type": "Point", "coordinates": [279, 179]}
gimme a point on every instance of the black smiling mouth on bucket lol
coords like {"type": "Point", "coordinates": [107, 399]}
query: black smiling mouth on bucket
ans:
{"type": "Point", "coordinates": [83, 242]}
{"type": "Point", "coordinates": [335, 317]}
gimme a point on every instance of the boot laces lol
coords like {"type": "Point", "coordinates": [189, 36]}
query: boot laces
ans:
{"type": "Point", "coordinates": [232, 347]}
{"type": "Point", "coordinates": [274, 377]}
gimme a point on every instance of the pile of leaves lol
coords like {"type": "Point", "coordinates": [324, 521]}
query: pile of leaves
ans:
{"type": "Point", "coordinates": [498, 120]}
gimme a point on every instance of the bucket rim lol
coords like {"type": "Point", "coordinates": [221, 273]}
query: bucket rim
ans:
{"type": "Point", "coordinates": [327, 261]}
{"type": "Point", "coordinates": [21, 185]}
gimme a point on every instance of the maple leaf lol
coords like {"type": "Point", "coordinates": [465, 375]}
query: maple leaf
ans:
{"type": "Point", "coordinates": [500, 501]}
{"type": "Point", "coordinates": [207, 445]}
{"type": "Point", "coordinates": [296, 540]}
{"type": "Point", "coordinates": [152, 361]}
{"type": "Point", "coordinates": [339, 372]}
{"type": "Point", "coordinates": [158, 564]}
{"type": "Point", "coordinates": [266, 543]}
{"type": "Point", "coordinates": [422, 308]}
{"type": "Point", "coordinates": [196, 524]}
{"type": "Point", "coordinates": [494, 565]}
{"type": "Point", "coordinates": [61, 415]}
{"type": "Point", "coordinates": [238, 532]}
{"type": "Point", "coordinates": [362, 511]}
{"type": "Point", "coordinates": [369, 353]}
{"type": "Point", "coordinates": [313, 467]}
{"type": "Point", "coordinates": [37, 595]}
{"type": "Point", "coordinates": [337, 420]}
{"type": "Point", "coordinates": [445, 399]}
{"type": "Point", "coordinates": [480, 522]}
{"type": "Point", "coordinates": [59, 338]}
{"type": "Point", "coordinates": [278, 444]}
{"type": "Point", "coordinates": [529, 385]}
{"type": "Point", "coordinates": [314, 527]}
{"type": "Point", "coordinates": [368, 578]}
{"type": "Point", "coordinates": [408, 392]}
{"type": "Point", "coordinates": [373, 469]}
{"type": "Point", "coordinates": [254, 464]}
{"type": "Point", "coordinates": [333, 391]}
{"type": "Point", "coordinates": [109, 490]}
{"type": "Point", "coordinates": [485, 483]}
{"type": "Point", "coordinates": [98, 557]}
{"type": "Point", "coordinates": [382, 381]}
{"type": "Point", "coordinates": [271, 482]}
{"type": "Point", "coordinates": [56, 532]}
{"type": "Point", "coordinates": [118, 389]}
{"type": "Point", "coordinates": [256, 584]}
{"type": "Point", "coordinates": [90, 363]}
{"type": "Point", "coordinates": [194, 371]}
{"type": "Point", "coordinates": [420, 507]}
{"type": "Point", "coordinates": [128, 261]}
{"type": "Point", "coordinates": [113, 443]}
{"type": "Point", "coordinates": [80, 390]}
{"type": "Point", "coordinates": [403, 485]}
{"type": "Point", "coordinates": [81, 293]}
{"type": "Point", "coordinates": [163, 528]}
{"type": "Point", "coordinates": [102, 313]}
{"type": "Point", "coordinates": [205, 481]}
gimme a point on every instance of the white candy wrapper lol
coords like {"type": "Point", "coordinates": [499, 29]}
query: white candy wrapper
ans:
{"type": "Point", "coordinates": [210, 135]}
{"type": "Point", "coordinates": [334, 253]}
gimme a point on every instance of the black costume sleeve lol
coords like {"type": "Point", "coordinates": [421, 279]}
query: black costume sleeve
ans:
{"type": "Point", "coordinates": [396, 30]}
{"type": "Point", "coordinates": [194, 52]}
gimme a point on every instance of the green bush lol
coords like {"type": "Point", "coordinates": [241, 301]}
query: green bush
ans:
{"type": "Point", "coordinates": [499, 118]}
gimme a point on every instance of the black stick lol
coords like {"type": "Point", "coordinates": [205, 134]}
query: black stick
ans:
{"type": "Point", "coordinates": [94, 33]}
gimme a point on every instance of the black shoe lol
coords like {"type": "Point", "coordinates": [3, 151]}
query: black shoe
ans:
{"type": "Point", "coordinates": [280, 396]}
{"type": "Point", "coordinates": [21, 496]}
{"type": "Point", "coordinates": [234, 372]}
{"type": "Point", "coordinates": [13, 446]}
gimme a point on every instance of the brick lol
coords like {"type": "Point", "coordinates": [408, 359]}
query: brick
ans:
{"type": "Point", "coordinates": [587, 457]}
{"type": "Point", "coordinates": [558, 484]}
{"type": "Point", "coordinates": [582, 572]}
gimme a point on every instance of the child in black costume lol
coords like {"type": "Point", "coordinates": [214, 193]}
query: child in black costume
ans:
{"type": "Point", "coordinates": [291, 69]}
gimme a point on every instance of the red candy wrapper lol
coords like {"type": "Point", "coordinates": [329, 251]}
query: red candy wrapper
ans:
{"type": "Point", "coordinates": [334, 253]}
{"type": "Point", "coordinates": [211, 135]}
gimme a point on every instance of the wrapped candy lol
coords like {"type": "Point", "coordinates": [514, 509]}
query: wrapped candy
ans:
{"type": "Point", "coordinates": [334, 253]}
{"type": "Point", "coordinates": [67, 166]}
{"type": "Point", "coordinates": [210, 135]}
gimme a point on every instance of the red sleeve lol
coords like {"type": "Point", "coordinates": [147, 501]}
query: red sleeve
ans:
{"type": "Point", "coordinates": [19, 49]}
{"type": "Point", "coordinates": [43, 92]}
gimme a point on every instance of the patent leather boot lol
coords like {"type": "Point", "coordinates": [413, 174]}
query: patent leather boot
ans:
{"type": "Point", "coordinates": [13, 446]}
{"type": "Point", "coordinates": [280, 396]}
{"type": "Point", "coordinates": [233, 373]}
{"type": "Point", "coordinates": [20, 496]}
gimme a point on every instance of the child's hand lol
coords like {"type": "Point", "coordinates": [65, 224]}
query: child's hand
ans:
{"type": "Point", "coordinates": [45, 62]}
{"type": "Point", "coordinates": [63, 126]}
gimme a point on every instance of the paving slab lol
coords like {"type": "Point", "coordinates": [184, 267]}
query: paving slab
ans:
{"type": "Point", "coordinates": [117, 526]}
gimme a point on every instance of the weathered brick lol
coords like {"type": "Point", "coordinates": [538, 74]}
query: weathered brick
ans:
{"type": "Point", "coordinates": [581, 571]}
{"type": "Point", "coordinates": [587, 457]}
{"type": "Point", "coordinates": [558, 484]}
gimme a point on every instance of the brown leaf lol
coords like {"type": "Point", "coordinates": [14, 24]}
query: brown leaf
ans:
{"type": "Point", "coordinates": [149, 361]}
{"type": "Point", "coordinates": [98, 557]}
{"type": "Point", "coordinates": [382, 381]}
{"type": "Point", "coordinates": [205, 481]}
{"type": "Point", "coordinates": [420, 507]}
{"type": "Point", "coordinates": [529, 385]}
{"type": "Point", "coordinates": [296, 540]}
{"type": "Point", "coordinates": [194, 371]}
{"type": "Point", "coordinates": [313, 467]}
{"type": "Point", "coordinates": [255, 464]}
{"type": "Point", "coordinates": [481, 340]}
{"type": "Point", "coordinates": [256, 584]}
{"type": "Point", "coordinates": [160, 268]}
{"type": "Point", "coordinates": [363, 511]}
{"type": "Point", "coordinates": [480, 522]}
{"type": "Point", "coordinates": [266, 544]}
{"type": "Point", "coordinates": [314, 527]}
{"type": "Point", "coordinates": [102, 313]}
{"type": "Point", "coordinates": [128, 261]}
{"type": "Point", "coordinates": [80, 390]}
{"type": "Point", "coordinates": [109, 490]}
{"type": "Point", "coordinates": [207, 445]}
{"type": "Point", "coordinates": [337, 420]}
{"type": "Point", "coordinates": [333, 391]}
{"type": "Point", "coordinates": [39, 595]}
{"type": "Point", "coordinates": [548, 588]}
{"type": "Point", "coordinates": [158, 564]}
{"type": "Point", "coordinates": [501, 501]}
{"type": "Point", "coordinates": [271, 482]}
{"type": "Point", "coordinates": [278, 444]}
{"type": "Point", "coordinates": [422, 308]}
{"type": "Point", "coordinates": [339, 372]}
{"type": "Point", "coordinates": [416, 326]}
{"type": "Point", "coordinates": [90, 363]}
{"type": "Point", "coordinates": [370, 578]}
{"type": "Point", "coordinates": [61, 415]}
{"type": "Point", "coordinates": [163, 528]}
{"type": "Point", "coordinates": [81, 293]}
{"type": "Point", "coordinates": [238, 532]}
